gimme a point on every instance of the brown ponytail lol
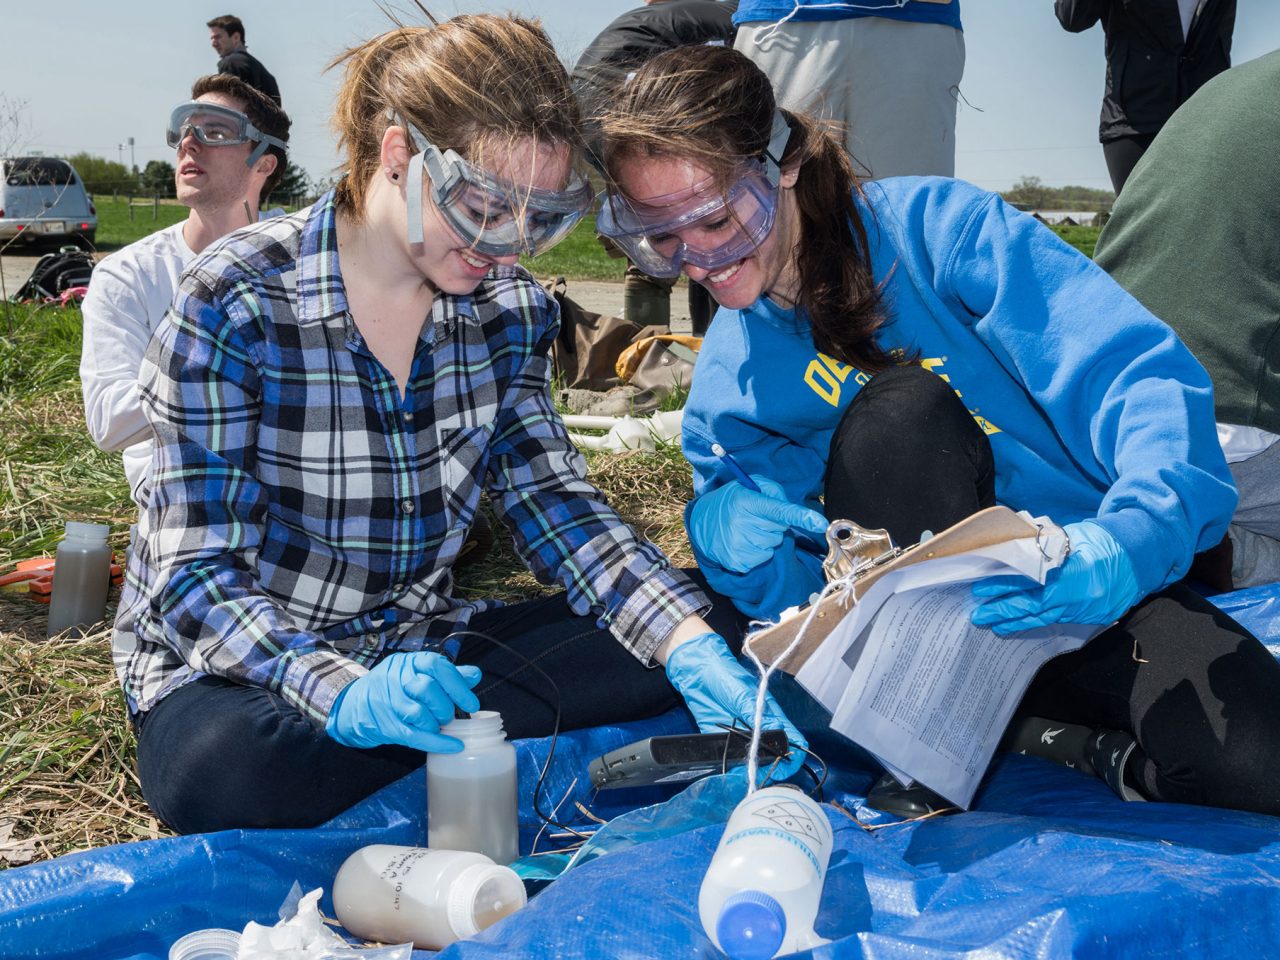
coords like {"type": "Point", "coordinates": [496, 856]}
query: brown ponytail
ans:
{"type": "Point", "coordinates": [715, 107]}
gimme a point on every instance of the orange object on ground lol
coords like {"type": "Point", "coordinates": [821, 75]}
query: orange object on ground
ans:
{"type": "Point", "coordinates": [35, 575]}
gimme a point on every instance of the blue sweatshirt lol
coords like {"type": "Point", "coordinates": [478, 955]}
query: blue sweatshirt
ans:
{"type": "Point", "coordinates": [915, 11]}
{"type": "Point", "coordinates": [1093, 407]}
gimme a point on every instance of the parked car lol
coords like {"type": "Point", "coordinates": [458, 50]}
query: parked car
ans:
{"type": "Point", "coordinates": [43, 198]}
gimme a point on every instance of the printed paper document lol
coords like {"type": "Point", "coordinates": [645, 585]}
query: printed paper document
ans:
{"type": "Point", "coordinates": [909, 678]}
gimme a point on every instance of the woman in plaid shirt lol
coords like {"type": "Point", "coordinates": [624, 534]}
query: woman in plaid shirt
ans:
{"type": "Point", "coordinates": [330, 394]}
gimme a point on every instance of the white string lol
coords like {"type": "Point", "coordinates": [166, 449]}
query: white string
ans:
{"type": "Point", "coordinates": [769, 31]}
{"type": "Point", "coordinates": [842, 585]}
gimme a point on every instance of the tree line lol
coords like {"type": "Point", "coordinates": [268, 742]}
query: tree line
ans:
{"type": "Point", "coordinates": [104, 177]}
{"type": "Point", "coordinates": [1031, 193]}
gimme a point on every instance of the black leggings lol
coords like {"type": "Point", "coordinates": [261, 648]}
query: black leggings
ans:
{"type": "Point", "coordinates": [1199, 693]}
{"type": "Point", "coordinates": [1123, 155]}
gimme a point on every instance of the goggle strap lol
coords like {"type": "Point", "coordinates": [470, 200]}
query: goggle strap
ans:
{"type": "Point", "coordinates": [413, 199]}
{"type": "Point", "coordinates": [258, 151]}
{"type": "Point", "coordinates": [779, 136]}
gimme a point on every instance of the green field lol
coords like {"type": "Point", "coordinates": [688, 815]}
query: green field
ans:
{"type": "Point", "coordinates": [116, 230]}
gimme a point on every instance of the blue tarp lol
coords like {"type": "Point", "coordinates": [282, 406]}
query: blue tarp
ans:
{"type": "Point", "coordinates": [1047, 864]}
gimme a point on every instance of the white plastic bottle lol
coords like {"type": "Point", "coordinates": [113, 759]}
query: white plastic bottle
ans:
{"type": "Point", "coordinates": [759, 898]}
{"type": "Point", "coordinates": [430, 897]}
{"type": "Point", "coordinates": [471, 796]}
{"type": "Point", "coordinates": [81, 577]}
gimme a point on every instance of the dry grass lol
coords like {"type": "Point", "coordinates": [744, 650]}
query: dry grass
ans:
{"type": "Point", "coordinates": [67, 761]}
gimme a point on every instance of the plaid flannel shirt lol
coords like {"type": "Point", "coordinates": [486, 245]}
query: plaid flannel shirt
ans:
{"type": "Point", "coordinates": [303, 517]}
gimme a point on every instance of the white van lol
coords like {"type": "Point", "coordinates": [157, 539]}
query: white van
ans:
{"type": "Point", "coordinates": [43, 198]}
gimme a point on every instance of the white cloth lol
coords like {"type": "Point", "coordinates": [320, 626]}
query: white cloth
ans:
{"type": "Point", "coordinates": [1243, 443]}
{"type": "Point", "coordinates": [892, 84]}
{"type": "Point", "coordinates": [128, 295]}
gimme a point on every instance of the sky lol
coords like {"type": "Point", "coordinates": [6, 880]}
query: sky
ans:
{"type": "Point", "coordinates": [88, 75]}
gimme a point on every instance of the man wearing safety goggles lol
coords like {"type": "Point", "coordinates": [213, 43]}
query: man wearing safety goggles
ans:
{"type": "Point", "coordinates": [709, 232]}
{"type": "Point", "coordinates": [495, 217]}
{"type": "Point", "coordinates": [230, 142]}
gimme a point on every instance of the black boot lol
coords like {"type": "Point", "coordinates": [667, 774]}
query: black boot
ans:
{"type": "Point", "coordinates": [889, 796]}
{"type": "Point", "coordinates": [1101, 753]}
{"type": "Point", "coordinates": [1109, 752]}
{"type": "Point", "coordinates": [1064, 743]}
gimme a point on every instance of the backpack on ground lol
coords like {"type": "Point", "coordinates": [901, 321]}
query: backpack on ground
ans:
{"type": "Point", "coordinates": [56, 273]}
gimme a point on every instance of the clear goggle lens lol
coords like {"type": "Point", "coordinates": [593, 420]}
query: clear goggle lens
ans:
{"type": "Point", "coordinates": [216, 126]}
{"type": "Point", "coordinates": [491, 215]}
{"type": "Point", "coordinates": [664, 234]}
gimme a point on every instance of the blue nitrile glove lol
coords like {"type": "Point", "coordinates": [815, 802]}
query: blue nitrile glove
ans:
{"type": "Point", "coordinates": [1096, 584]}
{"type": "Point", "coordinates": [740, 529]}
{"type": "Point", "coordinates": [404, 700]}
{"type": "Point", "coordinates": [719, 690]}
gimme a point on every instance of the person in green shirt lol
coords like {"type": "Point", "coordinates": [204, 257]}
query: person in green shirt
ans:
{"type": "Point", "coordinates": [1195, 236]}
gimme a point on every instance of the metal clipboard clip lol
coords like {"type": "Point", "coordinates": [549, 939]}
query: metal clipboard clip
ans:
{"type": "Point", "coordinates": [853, 550]}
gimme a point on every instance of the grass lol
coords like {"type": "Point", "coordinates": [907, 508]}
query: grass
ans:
{"type": "Point", "coordinates": [1083, 239]}
{"type": "Point", "coordinates": [116, 230]}
{"type": "Point", "coordinates": [67, 757]}
{"type": "Point", "coordinates": [578, 257]}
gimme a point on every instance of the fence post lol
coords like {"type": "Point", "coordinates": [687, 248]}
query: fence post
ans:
{"type": "Point", "coordinates": [155, 206]}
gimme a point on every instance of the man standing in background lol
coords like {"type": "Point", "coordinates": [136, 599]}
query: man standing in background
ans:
{"type": "Point", "coordinates": [226, 36]}
{"type": "Point", "coordinates": [1159, 53]}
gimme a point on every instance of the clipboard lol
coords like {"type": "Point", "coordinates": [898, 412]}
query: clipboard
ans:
{"type": "Point", "coordinates": [983, 529]}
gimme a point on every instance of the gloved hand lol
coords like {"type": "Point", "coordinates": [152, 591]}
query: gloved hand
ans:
{"type": "Point", "coordinates": [1096, 584]}
{"type": "Point", "coordinates": [740, 529]}
{"type": "Point", "coordinates": [404, 700]}
{"type": "Point", "coordinates": [719, 690]}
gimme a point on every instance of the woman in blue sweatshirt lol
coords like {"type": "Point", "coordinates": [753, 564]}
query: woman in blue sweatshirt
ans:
{"type": "Point", "coordinates": [906, 352]}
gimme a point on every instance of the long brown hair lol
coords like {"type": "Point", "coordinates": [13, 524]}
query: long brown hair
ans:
{"type": "Point", "coordinates": [470, 84]}
{"type": "Point", "coordinates": [715, 107]}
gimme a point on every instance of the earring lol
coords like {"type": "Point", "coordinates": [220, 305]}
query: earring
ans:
{"type": "Point", "coordinates": [394, 175]}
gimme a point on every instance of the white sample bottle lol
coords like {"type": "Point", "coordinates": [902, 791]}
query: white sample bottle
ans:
{"type": "Point", "coordinates": [81, 577]}
{"type": "Point", "coordinates": [759, 898]}
{"type": "Point", "coordinates": [471, 796]}
{"type": "Point", "coordinates": [430, 897]}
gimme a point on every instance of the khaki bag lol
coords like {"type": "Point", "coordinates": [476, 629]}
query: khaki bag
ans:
{"type": "Point", "coordinates": [662, 363]}
{"type": "Point", "coordinates": [587, 348]}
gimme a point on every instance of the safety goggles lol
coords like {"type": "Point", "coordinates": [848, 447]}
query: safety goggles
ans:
{"type": "Point", "coordinates": [493, 216]}
{"type": "Point", "coordinates": [217, 126]}
{"type": "Point", "coordinates": [703, 226]}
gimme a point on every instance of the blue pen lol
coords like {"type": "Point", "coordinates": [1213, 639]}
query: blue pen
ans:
{"type": "Point", "coordinates": [734, 467]}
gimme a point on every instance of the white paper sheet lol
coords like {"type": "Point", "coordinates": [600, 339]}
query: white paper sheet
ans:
{"type": "Point", "coordinates": [910, 679]}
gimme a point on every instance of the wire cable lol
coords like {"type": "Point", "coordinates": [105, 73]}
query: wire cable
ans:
{"type": "Point", "coordinates": [555, 730]}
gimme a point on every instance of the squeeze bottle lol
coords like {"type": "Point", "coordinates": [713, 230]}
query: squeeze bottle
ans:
{"type": "Point", "coordinates": [471, 796]}
{"type": "Point", "coordinates": [759, 898]}
{"type": "Point", "coordinates": [81, 577]}
{"type": "Point", "coordinates": [433, 897]}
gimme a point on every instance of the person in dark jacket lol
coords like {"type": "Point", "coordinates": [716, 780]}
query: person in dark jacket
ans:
{"type": "Point", "coordinates": [226, 36]}
{"type": "Point", "coordinates": [1159, 52]}
{"type": "Point", "coordinates": [607, 63]}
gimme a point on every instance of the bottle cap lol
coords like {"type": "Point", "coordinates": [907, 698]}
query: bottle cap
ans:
{"type": "Point", "coordinates": [211, 944]}
{"type": "Point", "coordinates": [752, 926]}
{"type": "Point", "coordinates": [97, 532]}
{"type": "Point", "coordinates": [482, 895]}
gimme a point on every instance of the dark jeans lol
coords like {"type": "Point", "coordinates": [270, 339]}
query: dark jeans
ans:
{"type": "Point", "coordinates": [1199, 693]}
{"type": "Point", "coordinates": [217, 755]}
